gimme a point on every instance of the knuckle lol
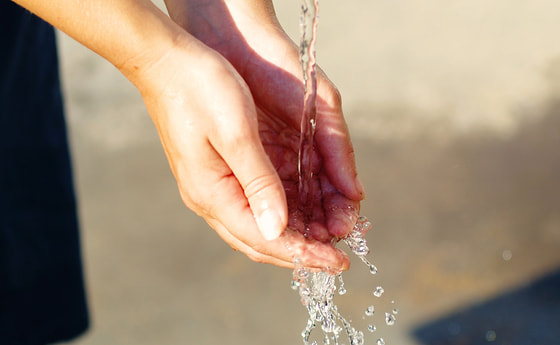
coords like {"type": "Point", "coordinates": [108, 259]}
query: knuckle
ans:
{"type": "Point", "coordinates": [332, 96]}
{"type": "Point", "coordinates": [259, 184]}
{"type": "Point", "coordinates": [237, 135]}
{"type": "Point", "coordinates": [237, 138]}
{"type": "Point", "coordinates": [335, 96]}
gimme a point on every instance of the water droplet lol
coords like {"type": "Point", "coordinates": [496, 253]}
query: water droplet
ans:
{"type": "Point", "coordinates": [380, 341]}
{"type": "Point", "coordinates": [372, 269]}
{"type": "Point", "coordinates": [390, 319]}
{"type": "Point", "coordinates": [395, 311]}
{"type": "Point", "coordinates": [342, 290]}
{"type": "Point", "coordinates": [507, 255]}
{"type": "Point", "coordinates": [378, 291]}
{"type": "Point", "coordinates": [370, 310]}
{"type": "Point", "coordinates": [371, 328]}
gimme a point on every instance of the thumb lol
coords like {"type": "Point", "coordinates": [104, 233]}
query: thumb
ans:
{"type": "Point", "coordinates": [246, 157]}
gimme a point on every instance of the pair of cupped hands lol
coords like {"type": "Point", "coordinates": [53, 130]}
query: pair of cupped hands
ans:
{"type": "Point", "coordinates": [227, 103]}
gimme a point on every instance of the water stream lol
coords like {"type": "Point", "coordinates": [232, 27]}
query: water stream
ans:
{"type": "Point", "coordinates": [309, 20]}
{"type": "Point", "coordinates": [317, 289]}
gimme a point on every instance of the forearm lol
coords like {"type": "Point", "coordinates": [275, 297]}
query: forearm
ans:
{"type": "Point", "coordinates": [128, 33]}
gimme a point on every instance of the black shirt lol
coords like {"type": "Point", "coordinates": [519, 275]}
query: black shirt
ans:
{"type": "Point", "coordinates": [42, 297]}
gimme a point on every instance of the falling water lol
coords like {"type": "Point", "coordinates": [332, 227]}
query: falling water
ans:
{"type": "Point", "coordinates": [309, 12]}
{"type": "Point", "coordinates": [317, 289]}
{"type": "Point", "coordinates": [317, 292]}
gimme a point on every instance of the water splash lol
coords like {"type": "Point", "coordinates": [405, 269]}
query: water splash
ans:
{"type": "Point", "coordinates": [356, 239]}
{"type": "Point", "coordinates": [317, 291]}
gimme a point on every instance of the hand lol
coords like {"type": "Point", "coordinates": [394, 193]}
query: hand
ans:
{"type": "Point", "coordinates": [249, 36]}
{"type": "Point", "coordinates": [207, 122]}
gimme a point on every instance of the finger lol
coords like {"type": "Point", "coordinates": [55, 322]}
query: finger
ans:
{"type": "Point", "coordinates": [246, 238]}
{"type": "Point", "coordinates": [242, 150]}
{"type": "Point", "coordinates": [233, 220]}
{"type": "Point", "coordinates": [217, 196]}
{"type": "Point", "coordinates": [341, 213]}
{"type": "Point", "coordinates": [333, 141]}
{"type": "Point", "coordinates": [254, 255]}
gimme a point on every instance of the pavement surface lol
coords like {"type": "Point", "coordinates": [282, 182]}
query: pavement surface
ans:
{"type": "Point", "coordinates": [454, 109]}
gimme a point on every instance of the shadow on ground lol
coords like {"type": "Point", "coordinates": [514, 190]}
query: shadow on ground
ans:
{"type": "Point", "coordinates": [526, 316]}
{"type": "Point", "coordinates": [512, 186]}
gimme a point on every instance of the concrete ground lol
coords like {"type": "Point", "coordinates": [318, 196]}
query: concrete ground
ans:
{"type": "Point", "coordinates": [455, 113]}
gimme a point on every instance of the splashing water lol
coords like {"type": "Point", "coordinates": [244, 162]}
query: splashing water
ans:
{"type": "Point", "coordinates": [317, 291]}
{"type": "Point", "coordinates": [357, 243]}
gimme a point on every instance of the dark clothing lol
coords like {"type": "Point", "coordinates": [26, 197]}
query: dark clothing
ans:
{"type": "Point", "coordinates": [42, 298]}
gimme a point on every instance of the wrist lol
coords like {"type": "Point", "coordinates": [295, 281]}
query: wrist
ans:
{"type": "Point", "coordinates": [197, 16]}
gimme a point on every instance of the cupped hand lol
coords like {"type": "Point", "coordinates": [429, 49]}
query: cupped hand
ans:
{"type": "Point", "coordinates": [249, 36]}
{"type": "Point", "coordinates": [209, 128]}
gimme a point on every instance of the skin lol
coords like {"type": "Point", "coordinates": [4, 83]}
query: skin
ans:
{"type": "Point", "coordinates": [221, 81]}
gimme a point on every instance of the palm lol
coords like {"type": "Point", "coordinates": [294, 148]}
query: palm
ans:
{"type": "Point", "coordinates": [332, 214]}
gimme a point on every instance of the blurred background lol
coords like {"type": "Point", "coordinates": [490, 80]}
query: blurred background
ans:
{"type": "Point", "coordinates": [454, 108]}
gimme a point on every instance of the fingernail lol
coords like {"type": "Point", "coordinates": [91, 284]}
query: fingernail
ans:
{"type": "Point", "coordinates": [270, 225]}
{"type": "Point", "coordinates": [360, 187]}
